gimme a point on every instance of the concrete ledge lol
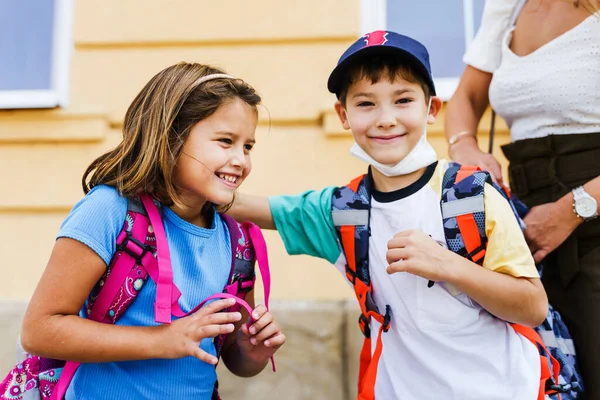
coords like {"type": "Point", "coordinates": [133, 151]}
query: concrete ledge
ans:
{"type": "Point", "coordinates": [11, 317]}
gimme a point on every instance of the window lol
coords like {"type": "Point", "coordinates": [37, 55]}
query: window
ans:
{"type": "Point", "coordinates": [445, 27]}
{"type": "Point", "coordinates": [36, 40]}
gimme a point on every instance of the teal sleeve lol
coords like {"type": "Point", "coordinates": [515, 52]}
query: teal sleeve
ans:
{"type": "Point", "coordinates": [305, 224]}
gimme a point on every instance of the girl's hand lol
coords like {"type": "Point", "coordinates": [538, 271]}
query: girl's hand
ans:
{"type": "Point", "coordinates": [262, 339]}
{"type": "Point", "coordinates": [182, 337]}
{"type": "Point", "coordinates": [417, 253]}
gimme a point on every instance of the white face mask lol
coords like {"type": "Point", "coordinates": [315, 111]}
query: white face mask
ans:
{"type": "Point", "coordinates": [421, 156]}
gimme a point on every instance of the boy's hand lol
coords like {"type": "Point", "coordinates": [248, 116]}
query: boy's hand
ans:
{"type": "Point", "coordinates": [182, 337]}
{"type": "Point", "coordinates": [417, 253]}
{"type": "Point", "coordinates": [262, 339]}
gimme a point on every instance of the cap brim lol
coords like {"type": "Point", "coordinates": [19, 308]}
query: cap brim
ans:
{"type": "Point", "coordinates": [335, 78]}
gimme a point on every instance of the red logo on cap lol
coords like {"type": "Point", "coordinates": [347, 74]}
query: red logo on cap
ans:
{"type": "Point", "coordinates": [375, 38]}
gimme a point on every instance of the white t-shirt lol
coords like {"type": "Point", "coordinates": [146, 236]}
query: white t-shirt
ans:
{"type": "Point", "coordinates": [441, 344]}
{"type": "Point", "coordinates": [553, 91]}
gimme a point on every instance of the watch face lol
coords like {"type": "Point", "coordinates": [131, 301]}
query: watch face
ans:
{"type": "Point", "coordinates": [586, 207]}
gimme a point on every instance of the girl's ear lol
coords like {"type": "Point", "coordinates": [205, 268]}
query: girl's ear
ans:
{"type": "Point", "coordinates": [341, 112]}
{"type": "Point", "coordinates": [434, 109]}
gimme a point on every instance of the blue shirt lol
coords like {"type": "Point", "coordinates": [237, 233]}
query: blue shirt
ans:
{"type": "Point", "coordinates": [201, 260]}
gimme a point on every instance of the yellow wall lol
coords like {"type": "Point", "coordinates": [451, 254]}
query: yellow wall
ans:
{"type": "Point", "coordinates": [284, 49]}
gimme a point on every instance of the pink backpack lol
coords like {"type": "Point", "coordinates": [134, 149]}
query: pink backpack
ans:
{"type": "Point", "coordinates": [142, 252]}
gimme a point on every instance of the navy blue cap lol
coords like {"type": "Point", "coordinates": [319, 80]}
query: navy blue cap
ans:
{"type": "Point", "coordinates": [378, 43]}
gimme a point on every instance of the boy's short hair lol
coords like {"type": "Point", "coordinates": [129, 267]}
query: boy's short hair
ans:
{"type": "Point", "coordinates": [376, 68]}
{"type": "Point", "coordinates": [382, 53]}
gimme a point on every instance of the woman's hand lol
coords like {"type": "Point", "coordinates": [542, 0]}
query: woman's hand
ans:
{"type": "Point", "coordinates": [466, 152]}
{"type": "Point", "coordinates": [417, 253]}
{"type": "Point", "coordinates": [548, 226]}
{"type": "Point", "coordinates": [182, 337]}
{"type": "Point", "coordinates": [262, 339]}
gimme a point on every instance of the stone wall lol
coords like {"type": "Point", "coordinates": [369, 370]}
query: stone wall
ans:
{"type": "Point", "coordinates": [11, 316]}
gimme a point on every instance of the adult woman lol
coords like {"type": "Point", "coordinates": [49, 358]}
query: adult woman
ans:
{"type": "Point", "coordinates": [542, 75]}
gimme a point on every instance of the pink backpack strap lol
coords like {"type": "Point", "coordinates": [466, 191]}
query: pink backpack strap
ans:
{"type": "Point", "coordinates": [133, 252]}
{"type": "Point", "coordinates": [260, 250]}
{"type": "Point", "coordinates": [219, 296]}
{"type": "Point", "coordinates": [134, 260]}
{"type": "Point", "coordinates": [164, 282]}
{"type": "Point", "coordinates": [64, 381]}
{"type": "Point", "coordinates": [257, 243]}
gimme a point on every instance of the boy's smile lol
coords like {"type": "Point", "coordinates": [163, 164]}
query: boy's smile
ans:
{"type": "Point", "coordinates": [387, 139]}
{"type": "Point", "coordinates": [387, 118]}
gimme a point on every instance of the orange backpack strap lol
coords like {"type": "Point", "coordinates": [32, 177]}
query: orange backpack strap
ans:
{"type": "Point", "coordinates": [546, 360]}
{"type": "Point", "coordinates": [351, 207]}
{"type": "Point", "coordinates": [463, 211]}
{"type": "Point", "coordinates": [463, 215]}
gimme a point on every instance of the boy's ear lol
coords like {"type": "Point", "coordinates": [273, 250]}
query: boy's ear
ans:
{"type": "Point", "coordinates": [436, 106]}
{"type": "Point", "coordinates": [341, 112]}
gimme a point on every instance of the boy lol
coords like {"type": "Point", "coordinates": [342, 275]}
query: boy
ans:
{"type": "Point", "coordinates": [440, 317]}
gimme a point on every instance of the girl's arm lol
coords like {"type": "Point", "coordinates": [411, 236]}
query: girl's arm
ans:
{"type": "Point", "coordinates": [52, 326]}
{"type": "Point", "coordinates": [463, 113]}
{"type": "Point", "coordinates": [255, 209]}
{"type": "Point", "coordinates": [518, 300]}
{"type": "Point", "coordinates": [247, 351]}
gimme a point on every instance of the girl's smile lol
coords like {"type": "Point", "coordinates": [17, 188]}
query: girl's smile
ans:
{"type": "Point", "coordinates": [229, 179]}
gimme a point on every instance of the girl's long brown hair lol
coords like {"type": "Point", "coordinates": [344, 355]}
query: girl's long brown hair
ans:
{"type": "Point", "coordinates": [156, 125]}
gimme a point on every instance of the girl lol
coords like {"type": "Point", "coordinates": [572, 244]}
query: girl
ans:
{"type": "Point", "coordinates": [187, 139]}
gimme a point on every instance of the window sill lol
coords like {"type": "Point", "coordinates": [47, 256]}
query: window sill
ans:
{"type": "Point", "coordinates": [52, 126]}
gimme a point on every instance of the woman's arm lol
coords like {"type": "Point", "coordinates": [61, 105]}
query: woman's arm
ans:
{"type": "Point", "coordinates": [549, 225]}
{"type": "Point", "coordinates": [52, 326]}
{"type": "Point", "coordinates": [463, 113]}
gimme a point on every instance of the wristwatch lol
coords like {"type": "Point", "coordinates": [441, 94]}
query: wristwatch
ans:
{"type": "Point", "coordinates": [584, 205]}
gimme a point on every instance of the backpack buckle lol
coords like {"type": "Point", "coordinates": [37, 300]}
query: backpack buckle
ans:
{"type": "Point", "coordinates": [363, 323]}
{"type": "Point", "coordinates": [244, 283]}
{"type": "Point", "coordinates": [478, 253]}
{"type": "Point", "coordinates": [387, 318]}
{"type": "Point", "coordinates": [350, 275]}
{"type": "Point", "coordinates": [133, 247]}
{"type": "Point", "coordinates": [552, 387]}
